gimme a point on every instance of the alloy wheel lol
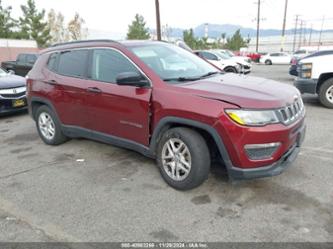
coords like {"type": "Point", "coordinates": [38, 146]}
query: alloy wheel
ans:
{"type": "Point", "coordinates": [46, 125]}
{"type": "Point", "coordinates": [176, 159]}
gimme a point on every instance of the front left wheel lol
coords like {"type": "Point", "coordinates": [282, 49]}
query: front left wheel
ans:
{"type": "Point", "coordinates": [326, 93]}
{"type": "Point", "coordinates": [183, 158]}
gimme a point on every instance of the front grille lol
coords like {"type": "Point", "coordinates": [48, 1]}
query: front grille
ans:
{"type": "Point", "coordinates": [292, 112]}
{"type": "Point", "coordinates": [14, 95]}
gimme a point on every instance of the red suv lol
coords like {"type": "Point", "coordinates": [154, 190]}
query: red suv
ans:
{"type": "Point", "coordinates": [166, 103]}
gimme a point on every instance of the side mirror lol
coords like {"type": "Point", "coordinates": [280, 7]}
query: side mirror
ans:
{"type": "Point", "coordinates": [11, 72]}
{"type": "Point", "coordinates": [131, 79]}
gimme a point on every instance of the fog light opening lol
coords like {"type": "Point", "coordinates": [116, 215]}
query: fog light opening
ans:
{"type": "Point", "coordinates": [261, 151]}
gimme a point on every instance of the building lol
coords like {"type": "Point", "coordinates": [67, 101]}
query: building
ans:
{"type": "Point", "coordinates": [270, 44]}
{"type": "Point", "coordinates": [9, 49]}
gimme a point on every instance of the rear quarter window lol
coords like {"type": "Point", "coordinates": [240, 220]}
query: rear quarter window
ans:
{"type": "Point", "coordinates": [52, 62]}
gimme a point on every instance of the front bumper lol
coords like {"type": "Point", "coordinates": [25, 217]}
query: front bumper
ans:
{"type": "Point", "coordinates": [271, 170]}
{"type": "Point", "coordinates": [306, 85]}
{"type": "Point", "coordinates": [6, 105]}
{"type": "Point", "coordinates": [293, 70]}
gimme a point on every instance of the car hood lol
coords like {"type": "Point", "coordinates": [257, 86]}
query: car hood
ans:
{"type": "Point", "coordinates": [244, 91]}
{"type": "Point", "coordinates": [240, 59]}
{"type": "Point", "coordinates": [11, 81]}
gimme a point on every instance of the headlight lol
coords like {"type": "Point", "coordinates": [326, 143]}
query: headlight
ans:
{"type": "Point", "coordinates": [306, 70]}
{"type": "Point", "coordinates": [239, 67]}
{"type": "Point", "coordinates": [306, 66]}
{"type": "Point", "coordinates": [253, 117]}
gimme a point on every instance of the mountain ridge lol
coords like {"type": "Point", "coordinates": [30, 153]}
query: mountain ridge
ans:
{"type": "Point", "coordinates": [215, 31]}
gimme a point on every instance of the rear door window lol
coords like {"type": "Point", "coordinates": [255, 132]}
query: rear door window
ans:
{"type": "Point", "coordinates": [73, 63]}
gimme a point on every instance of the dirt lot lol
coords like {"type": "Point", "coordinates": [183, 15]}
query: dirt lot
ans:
{"type": "Point", "coordinates": [88, 191]}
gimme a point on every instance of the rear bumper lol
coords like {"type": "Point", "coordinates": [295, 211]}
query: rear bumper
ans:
{"type": "Point", "coordinates": [274, 169]}
{"type": "Point", "coordinates": [306, 85]}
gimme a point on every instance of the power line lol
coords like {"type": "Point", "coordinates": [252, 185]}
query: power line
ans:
{"type": "Point", "coordinates": [295, 32]}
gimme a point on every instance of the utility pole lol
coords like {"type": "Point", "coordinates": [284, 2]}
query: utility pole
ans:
{"type": "Point", "coordinates": [304, 33]}
{"type": "Point", "coordinates": [310, 36]}
{"type": "Point", "coordinates": [258, 26]}
{"type": "Point", "coordinates": [300, 35]}
{"type": "Point", "coordinates": [158, 21]}
{"type": "Point", "coordinates": [284, 25]}
{"type": "Point", "coordinates": [321, 31]}
{"type": "Point", "coordinates": [295, 33]}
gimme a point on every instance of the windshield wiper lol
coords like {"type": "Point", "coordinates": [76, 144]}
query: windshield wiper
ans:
{"type": "Point", "coordinates": [209, 74]}
{"type": "Point", "coordinates": [182, 79]}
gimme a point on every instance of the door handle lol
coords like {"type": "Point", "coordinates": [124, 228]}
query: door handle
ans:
{"type": "Point", "coordinates": [94, 90]}
{"type": "Point", "coordinates": [50, 82]}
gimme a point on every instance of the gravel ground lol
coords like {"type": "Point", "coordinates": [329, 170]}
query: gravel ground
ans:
{"type": "Point", "coordinates": [89, 191]}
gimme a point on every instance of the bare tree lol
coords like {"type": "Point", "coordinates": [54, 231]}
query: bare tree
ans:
{"type": "Point", "coordinates": [75, 28]}
{"type": "Point", "coordinates": [57, 28]}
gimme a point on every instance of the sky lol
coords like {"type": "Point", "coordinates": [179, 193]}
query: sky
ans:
{"type": "Point", "coordinates": [116, 15]}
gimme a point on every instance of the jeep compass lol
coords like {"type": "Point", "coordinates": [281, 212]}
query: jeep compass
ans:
{"type": "Point", "coordinates": [166, 103]}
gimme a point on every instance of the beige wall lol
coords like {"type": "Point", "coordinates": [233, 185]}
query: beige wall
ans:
{"type": "Point", "coordinates": [10, 53]}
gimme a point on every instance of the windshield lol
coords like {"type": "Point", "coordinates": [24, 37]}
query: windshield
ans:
{"type": "Point", "coordinates": [231, 54]}
{"type": "Point", "coordinates": [2, 72]}
{"type": "Point", "coordinates": [223, 55]}
{"type": "Point", "coordinates": [172, 63]}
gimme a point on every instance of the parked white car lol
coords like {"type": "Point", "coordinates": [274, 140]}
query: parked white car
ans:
{"type": "Point", "coordinates": [316, 76]}
{"type": "Point", "coordinates": [276, 58]}
{"type": "Point", "coordinates": [220, 61]}
{"type": "Point", "coordinates": [244, 61]}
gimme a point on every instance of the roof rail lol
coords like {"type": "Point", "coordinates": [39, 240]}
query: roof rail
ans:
{"type": "Point", "coordinates": [81, 41]}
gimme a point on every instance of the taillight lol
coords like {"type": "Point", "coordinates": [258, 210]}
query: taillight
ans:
{"type": "Point", "coordinates": [28, 83]}
{"type": "Point", "coordinates": [293, 61]}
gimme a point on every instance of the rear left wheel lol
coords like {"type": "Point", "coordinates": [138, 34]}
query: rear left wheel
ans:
{"type": "Point", "coordinates": [268, 62]}
{"type": "Point", "coordinates": [49, 127]}
{"type": "Point", "coordinates": [183, 158]}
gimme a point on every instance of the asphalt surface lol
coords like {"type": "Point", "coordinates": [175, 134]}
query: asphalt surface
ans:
{"type": "Point", "coordinates": [89, 191]}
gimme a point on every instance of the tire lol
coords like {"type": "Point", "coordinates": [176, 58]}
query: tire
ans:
{"type": "Point", "coordinates": [268, 62]}
{"type": "Point", "coordinates": [326, 93]}
{"type": "Point", "coordinates": [230, 70]}
{"type": "Point", "coordinates": [195, 153]}
{"type": "Point", "coordinates": [46, 114]}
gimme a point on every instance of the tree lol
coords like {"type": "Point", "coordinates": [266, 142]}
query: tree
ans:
{"type": "Point", "coordinates": [236, 42]}
{"type": "Point", "coordinates": [223, 36]}
{"type": "Point", "coordinates": [33, 25]}
{"type": "Point", "coordinates": [192, 41]}
{"type": "Point", "coordinates": [58, 32]}
{"type": "Point", "coordinates": [189, 38]}
{"type": "Point", "coordinates": [75, 28]}
{"type": "Point", "coordinates": [7, 23]}
{"type": "Point", "coordinates": [137, 30]}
